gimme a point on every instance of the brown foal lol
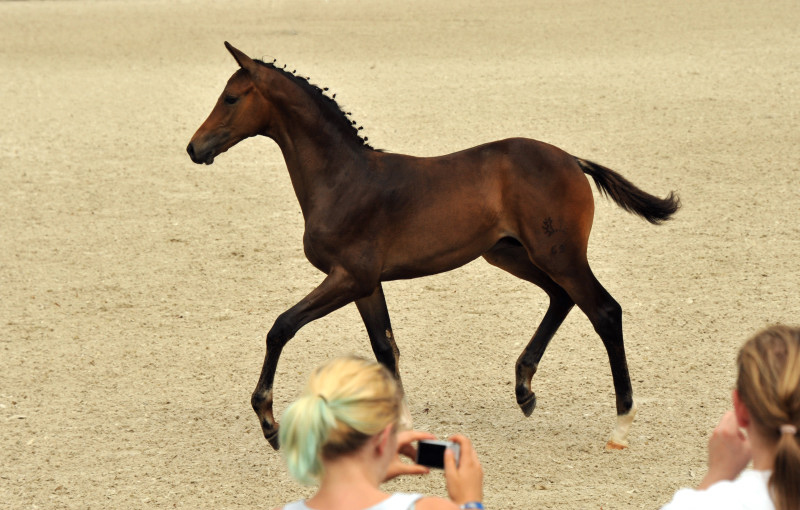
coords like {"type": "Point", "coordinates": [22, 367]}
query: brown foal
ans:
{"type": "Point", "coordinates": [371, 216]}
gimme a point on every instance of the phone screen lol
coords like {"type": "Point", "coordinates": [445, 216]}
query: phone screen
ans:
{"type": "Point", "coordinates": [431, 453]}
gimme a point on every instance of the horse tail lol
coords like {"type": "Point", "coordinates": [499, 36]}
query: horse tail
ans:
{"type": "Point", "coordinates": [629, 197]}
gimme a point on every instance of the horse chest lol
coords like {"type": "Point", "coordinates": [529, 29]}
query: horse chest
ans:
{"type": "Point", "coordinates": [315, 254]}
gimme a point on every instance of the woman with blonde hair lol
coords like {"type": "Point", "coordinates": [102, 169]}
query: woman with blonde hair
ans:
{"type": "Point", "coordinates": [766, 404]}
{"type": "Point", "coordinates": [342, 434]}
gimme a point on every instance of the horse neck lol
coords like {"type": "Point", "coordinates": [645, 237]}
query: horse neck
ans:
{"type": "Point", "coordinates": [317, 152]}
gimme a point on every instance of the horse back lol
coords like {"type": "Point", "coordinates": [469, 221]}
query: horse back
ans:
{"type": "Point", "coordinates": [432, 214]}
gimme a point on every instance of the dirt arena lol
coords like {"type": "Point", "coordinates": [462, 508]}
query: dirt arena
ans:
{"type": "Point", "coordinates": [136, 288]}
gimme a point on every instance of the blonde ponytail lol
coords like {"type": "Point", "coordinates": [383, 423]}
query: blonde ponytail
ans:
{"type": "Point", "coordinates": [346, 401]}
{"type": "Point", "coordinates": [306, 426]}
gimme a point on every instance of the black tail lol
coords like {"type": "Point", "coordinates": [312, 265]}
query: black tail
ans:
{"type": "Point", "coordinates": [629, 197]}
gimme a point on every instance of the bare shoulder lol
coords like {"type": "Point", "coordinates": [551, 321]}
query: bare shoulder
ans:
{"type": "Point", "coordinates": [435, 504]}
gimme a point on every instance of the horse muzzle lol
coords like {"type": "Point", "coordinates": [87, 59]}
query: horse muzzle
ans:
{"type": "Point", "coordinates": [198, 156]}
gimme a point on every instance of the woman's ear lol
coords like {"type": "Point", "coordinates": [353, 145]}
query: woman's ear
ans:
{"type": "Point", "coordinates": [742, 414]}
{"type": "Point", "coordinates": [384, 438]}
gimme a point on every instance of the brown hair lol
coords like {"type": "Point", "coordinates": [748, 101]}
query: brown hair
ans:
{"type": "Point", "coordinates": [769, 386]}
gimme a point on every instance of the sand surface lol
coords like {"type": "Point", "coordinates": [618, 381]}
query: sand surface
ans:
{"type": "Point", "coordinates": [136, 288]}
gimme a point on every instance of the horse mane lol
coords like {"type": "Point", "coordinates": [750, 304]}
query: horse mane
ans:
{"type": "Point", "coordinates": [330, 108]}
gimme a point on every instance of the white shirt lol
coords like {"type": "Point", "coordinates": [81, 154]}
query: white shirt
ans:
{"type": "Point", "coordinates": [748, 492]}
{"type": "Point", "coordinates": [397, 501]}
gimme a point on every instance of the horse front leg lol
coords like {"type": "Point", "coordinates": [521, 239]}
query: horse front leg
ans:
{"type": "Point", "coordinates": [335, 291]}
{"type": "Point", "coordinates": [375, 315]}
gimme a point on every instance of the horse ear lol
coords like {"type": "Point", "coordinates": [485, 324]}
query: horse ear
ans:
{"type": "Point", "coordinates": [243, 60]}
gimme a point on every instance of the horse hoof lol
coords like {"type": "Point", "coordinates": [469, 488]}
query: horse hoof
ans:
{"type": "Point", "coordinates": [271, 435]}
{"type": "Point", "coordinates": [619, 436]}
{"type": "Point", "coordinates": [614, 445]}
{"type": "Point", "coordinates": [528, 404]}
{"type": "Point", "coordinates": [273, 440]}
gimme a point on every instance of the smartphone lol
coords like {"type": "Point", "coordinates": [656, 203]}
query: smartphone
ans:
{"type": "Point", "coordinates": [430, 452]}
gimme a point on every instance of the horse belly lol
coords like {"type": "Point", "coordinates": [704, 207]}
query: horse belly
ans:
{"type": "Point", "coordinates": [438, 245]}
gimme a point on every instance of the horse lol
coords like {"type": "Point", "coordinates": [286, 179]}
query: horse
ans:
{"type": "Point", "coordinates": [372, 216]}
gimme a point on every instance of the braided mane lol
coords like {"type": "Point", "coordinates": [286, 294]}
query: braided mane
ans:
{"type": "Point", "coordinates": [330, 108]}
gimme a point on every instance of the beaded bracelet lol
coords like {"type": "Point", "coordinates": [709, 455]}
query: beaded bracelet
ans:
{"type": "Point", "coordinates": [477, 505]}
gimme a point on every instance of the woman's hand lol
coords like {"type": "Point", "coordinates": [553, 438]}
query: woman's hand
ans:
{"type": "Point", "coordinates": [728, 452]}
{"type": "Point", "coordinates": [465, 480]}
{"type": "Point", "coordinates": [404, 447]}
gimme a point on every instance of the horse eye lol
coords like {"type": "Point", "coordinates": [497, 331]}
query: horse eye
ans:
{"type": "Point", "coordinates": [231, 99]}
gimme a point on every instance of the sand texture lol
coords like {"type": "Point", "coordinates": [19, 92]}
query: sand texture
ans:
{"type": "Point", "coordinates": [136, 288]}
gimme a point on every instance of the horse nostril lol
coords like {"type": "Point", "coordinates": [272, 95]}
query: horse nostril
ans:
{"type": "Point", "coordinates": [190, 150]}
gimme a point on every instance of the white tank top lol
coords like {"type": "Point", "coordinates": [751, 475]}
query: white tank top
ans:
{"type": "Point", "coordinates": [397, 501]}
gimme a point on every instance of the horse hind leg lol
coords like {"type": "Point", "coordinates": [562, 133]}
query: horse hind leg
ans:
{"type": "Point", "coordinates": [375, 315]}
{"type": "Point", "coordinates": [513, 258]}
{"type": "Point", "coordinates": [605, 314]}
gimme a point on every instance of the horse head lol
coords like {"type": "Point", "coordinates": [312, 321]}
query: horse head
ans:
{"type": "Point", "coordinates": [240, 112]}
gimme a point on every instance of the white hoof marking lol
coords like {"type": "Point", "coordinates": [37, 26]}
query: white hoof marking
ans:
{"type": "Point", "coordinates": [619, 437]}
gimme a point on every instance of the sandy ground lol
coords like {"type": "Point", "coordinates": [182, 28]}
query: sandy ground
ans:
{"type": "Point", "coordinates": [136, 288]}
